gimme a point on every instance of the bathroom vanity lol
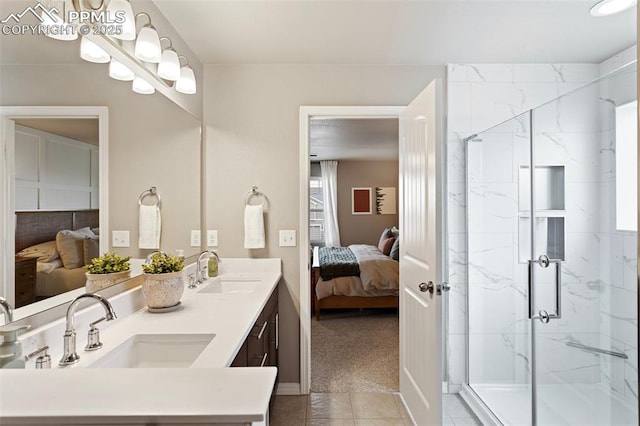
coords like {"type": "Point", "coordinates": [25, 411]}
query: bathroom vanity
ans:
{"type": "Point", "coordinates": [229, 320]}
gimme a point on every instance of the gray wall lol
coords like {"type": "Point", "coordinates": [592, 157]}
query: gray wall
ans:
{"type": "Point", "coordinates": [152, 142]}
{"type": "Point", "coordinates": [364, 229]}
{"type": "Point", "coordinates": [251, 114]}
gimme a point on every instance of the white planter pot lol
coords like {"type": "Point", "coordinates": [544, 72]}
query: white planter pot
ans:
{"type": "Point", "coordinates": [96, 282]}
{"type": "Point", "coordinates": [163, 290]}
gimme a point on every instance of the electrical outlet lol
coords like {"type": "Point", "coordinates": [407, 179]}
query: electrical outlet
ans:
{"type": "Point", "coordinates": [195, 238]}
{"type": "Point", "coordinates": [212, 238]}
{"type": "Point", "coordinates": [288, 238]}
{"type": "Point", "coordinates": [119, 238]}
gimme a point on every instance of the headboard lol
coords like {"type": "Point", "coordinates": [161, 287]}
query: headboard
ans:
{"type": "Point", "coordinates": [39, 226]}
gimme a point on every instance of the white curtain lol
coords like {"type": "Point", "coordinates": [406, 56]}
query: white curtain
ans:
{"type": "Point", "coordinates": [330, 195]}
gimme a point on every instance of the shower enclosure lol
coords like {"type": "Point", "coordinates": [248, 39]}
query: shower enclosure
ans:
{"type": "Point", "coordinates": [552, 270]}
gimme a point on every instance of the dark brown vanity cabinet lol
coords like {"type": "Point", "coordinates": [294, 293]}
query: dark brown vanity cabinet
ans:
{"type": "Point", "coordinates": [260, 349]}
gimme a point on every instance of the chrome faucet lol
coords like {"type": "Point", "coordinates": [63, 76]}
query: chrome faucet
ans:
{"type": "Point", "coordinates": [6, 308]}
{"type": "Point", "coordinates": [200, 277]}
{"type": "Point", "coordinates": [70, 356]}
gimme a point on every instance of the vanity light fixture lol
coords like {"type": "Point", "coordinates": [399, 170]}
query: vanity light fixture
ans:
{"type": "Point", "coordinates": [611, 7]}
{"type": "Point", "coordinates": [187, 82]}
{"type": "Point", "coordinates": [169, 66]}
{"type": "Point", "coordinates": [141, 86]}
{"type": "Point", "coordinates": [119, 71]}
{"type": "Point", "coordinates": [89, 51]}
{"type": "Point", "coordinates": [148, 47]}
{"type": "Point", "coordinates": [129, 24]}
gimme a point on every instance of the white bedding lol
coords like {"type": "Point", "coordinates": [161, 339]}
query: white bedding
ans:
{"type": "Point", "coordinates": [51, 280]}
{"type": "Point", "coordinates": [379, 276]}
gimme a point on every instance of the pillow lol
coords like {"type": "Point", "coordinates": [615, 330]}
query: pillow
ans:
{"type": "Point", "coordinates": [45, 252]}
{"type": "Point", "coordinates": [90, 248]}
{"type": "Point", "coordinates": [395, 250]}
{"type": "Point", "coordinates": [392, 232]}
{"type": "Point", "coordinates": [95, 231]}
{"type": "Point", "coordinates": [70, 246]}
{"type": "Point", "coordinates": [385, 245]}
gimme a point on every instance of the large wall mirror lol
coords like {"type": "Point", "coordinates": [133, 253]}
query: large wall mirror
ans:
{"type": "Point", "coordinates": [65, 173]}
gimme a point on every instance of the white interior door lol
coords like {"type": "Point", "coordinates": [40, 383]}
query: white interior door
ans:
{"type": "Point", "coordinates": [420, 257]}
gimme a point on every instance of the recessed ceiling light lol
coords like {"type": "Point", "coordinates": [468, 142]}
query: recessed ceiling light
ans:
{"type": "Point", "coordinates": [611, 7]}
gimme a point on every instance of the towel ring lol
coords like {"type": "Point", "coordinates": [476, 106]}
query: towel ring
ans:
{"type": "Point", "coordinates": [152, 192]}
{"type": "Point", "coordinates": [255, 192]}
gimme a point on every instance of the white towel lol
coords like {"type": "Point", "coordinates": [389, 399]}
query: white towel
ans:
{"type": "Point", "coordinates": [253, 227]}
{"type": "Point", "coordinates": [149, 226]}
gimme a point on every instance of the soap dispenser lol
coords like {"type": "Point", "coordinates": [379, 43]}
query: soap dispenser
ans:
{"type": "Point", "coordinates": [212, 266]}
{"type": "Point", "coordinates": [11, 347]}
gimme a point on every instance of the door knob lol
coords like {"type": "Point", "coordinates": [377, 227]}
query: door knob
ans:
{"type": "Point", "coordinates": [424, 287]}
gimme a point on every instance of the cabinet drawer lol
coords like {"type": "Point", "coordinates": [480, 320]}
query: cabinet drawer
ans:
{"type": "Point", "coordinates": [25, 273]}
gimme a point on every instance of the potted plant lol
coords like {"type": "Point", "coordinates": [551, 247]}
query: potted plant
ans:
{"type": "Point", "coordinates": [106, 270]}
{"type": "Point", "coordinates": [163, 284]}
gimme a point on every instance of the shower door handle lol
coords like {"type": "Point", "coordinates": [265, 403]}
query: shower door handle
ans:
{"type": "Point", "coordinates": [544, 262]}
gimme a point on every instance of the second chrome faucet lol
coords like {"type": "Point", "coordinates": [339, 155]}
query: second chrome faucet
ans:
{"type": "Point", "coordinates": [70, 356]}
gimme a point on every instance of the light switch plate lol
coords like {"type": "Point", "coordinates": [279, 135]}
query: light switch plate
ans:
{"type": "Point", "coordinates": [212, 238]}
{"type": "Point", "coordinates": [119, 238]}
{"type": "Point", "coordinates": [195, 238]}
{"type": "Point", "coordinates": [288, 238]}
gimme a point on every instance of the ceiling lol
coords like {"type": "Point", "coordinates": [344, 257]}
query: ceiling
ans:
{"type": "Point", "coordinates": [80, 129]}
{"type": "Point", "coordinates": [398, 31]}
{"type": "Point", "coordinates": [353, 139]}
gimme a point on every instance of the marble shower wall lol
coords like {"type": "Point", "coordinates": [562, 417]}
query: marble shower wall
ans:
{"type": "Point", "coordinates": [479, 97]}
{"type": "Point", "coordinates": [599, 272]}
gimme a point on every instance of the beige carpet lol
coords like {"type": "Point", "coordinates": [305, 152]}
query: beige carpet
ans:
{"type": "Point", "coordinates": [355, 351]}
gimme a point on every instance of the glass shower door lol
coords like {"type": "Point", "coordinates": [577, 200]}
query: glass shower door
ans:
{"type": "Point", "coordinates": [583, 279]}
{"type": "Point", "coordinates": [499, 328]}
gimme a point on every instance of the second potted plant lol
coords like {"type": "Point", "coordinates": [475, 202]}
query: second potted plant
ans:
{"type": "Point", "coordinates": [163, 284]}
{"type": "Point", "coordinates": [106, 270]}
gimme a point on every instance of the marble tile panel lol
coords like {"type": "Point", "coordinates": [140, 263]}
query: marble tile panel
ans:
{"type": "Point", "coordinates": [457, 309]}
{"type": "Point", "coordinates": [555, 73]}
{"type": "Point", "coordinates": [631, 375]}
{"type": "Point", "coordinates": [493, 207]}
{"type": "Point", "coordinates": [457, 248]}
{"type": "Point", "coordinates": [457, 72]}
{"type": "Point", "coordinates": [621, 314]}
{"type": "Point", "coordinates": [490, 72]}
{"type": "Point", "coordinates": [456, 353]}
{"type": "Point", "coordinates": [456, 159]}
{"type": "Point", "coordinates": [630, 261]}
{"type": "Point", "coordinates": [459, 116]}
{"type": "Point", "coordinates": [492, 358]}
{"type": "Point", "coordinates": [457, 208]}
{"type": "Point", "coordinates": [558, 363]}
{"type": "Point", "coordinates": [582, 208]}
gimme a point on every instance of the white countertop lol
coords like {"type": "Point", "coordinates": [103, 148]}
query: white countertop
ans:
{"type": "Point", "coordinates": [205, 393]}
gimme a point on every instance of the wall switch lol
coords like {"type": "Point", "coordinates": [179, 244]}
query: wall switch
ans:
{"type": "Point", "coordinates": [119, 238]}
{"type": "Point", "coordinates": [288, 238]}
{"type": "Point", "coordinates": [212, 238]}
{"type": "Point", "coordinates": [195, 238]}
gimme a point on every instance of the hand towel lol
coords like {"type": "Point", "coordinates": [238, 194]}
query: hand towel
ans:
{"type": "Point", "coordinates": [149, 226]}
{"type": "Point", "coordinates": [253, 227]}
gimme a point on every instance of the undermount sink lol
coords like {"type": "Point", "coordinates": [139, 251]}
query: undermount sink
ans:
{"type": "Point", "coordinates": [155, 351]}
{"type": "Point", "coordinates": [231, 286]}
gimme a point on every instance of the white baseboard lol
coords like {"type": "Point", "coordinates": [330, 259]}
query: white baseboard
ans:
{"type": "Point", "coordinates": [288, 389]}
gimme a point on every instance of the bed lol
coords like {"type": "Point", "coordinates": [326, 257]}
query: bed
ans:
{"type": "Point", "coordinates": [62, 242]}
{"type": "Point", "coordinates": [357, 276]}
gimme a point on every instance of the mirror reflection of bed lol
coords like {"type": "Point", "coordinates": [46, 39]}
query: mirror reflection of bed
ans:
{"type": "Point", "coordinates": [56, 205]}
{"type": "Point", "coordinates": [51, 249]}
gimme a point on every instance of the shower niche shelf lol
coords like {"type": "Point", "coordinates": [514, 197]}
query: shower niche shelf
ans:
{"type": "Point", "coordinates": [550, 212]}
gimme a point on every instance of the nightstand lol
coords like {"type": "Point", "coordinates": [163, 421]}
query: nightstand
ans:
{"type": "Point", "coordinates": [25, 280]}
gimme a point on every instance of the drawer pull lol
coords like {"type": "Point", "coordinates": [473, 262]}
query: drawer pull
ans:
{"type": "Point", "coordinates": [264, 359]}
{"type": "Point", "coordinates": [264, 327]}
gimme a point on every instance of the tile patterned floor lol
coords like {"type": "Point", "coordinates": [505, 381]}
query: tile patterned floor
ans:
{"type": "Point", "coordinates": [359, 409]}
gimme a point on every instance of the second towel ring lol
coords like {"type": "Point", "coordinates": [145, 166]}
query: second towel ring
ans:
{"type": "Point", "coordinates": [151, 192]}
{"type": "Point", "coordinates": [255, 192]}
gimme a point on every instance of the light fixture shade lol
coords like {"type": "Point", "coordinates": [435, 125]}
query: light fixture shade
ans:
{"type": "Point", "coordinates": [129, 24]}
{"type": "Point", "coordinates": [187, 82]}
{"type": "Point", "coordinates": [169, 67]}
{"type": "Point", "coordinates": [89, 51]}
{"type": "Point", "coordinates": [148, 45]}
{"type": "Point", "coordinates": [119, 71]}
{"type": "Point", "coordinates": [141, 86]}
{"type": "Point", "coordinates": [611, 7]}
{"type": "Point", "coordinates": [56, 28]}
